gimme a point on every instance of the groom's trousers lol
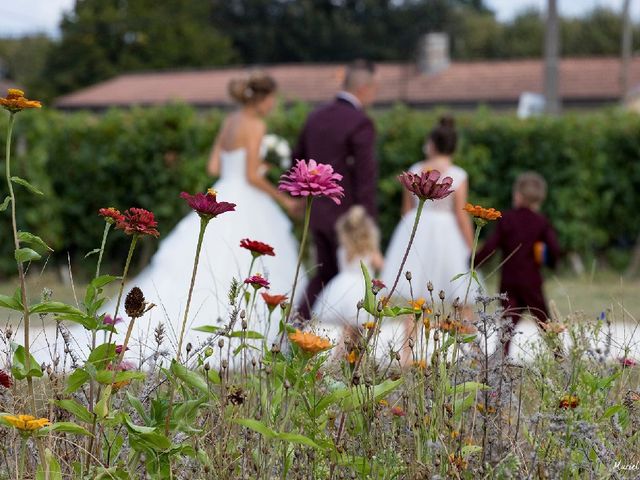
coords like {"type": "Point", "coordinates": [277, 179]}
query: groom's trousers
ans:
{"type": "Point", "coordinates": [326, 267]}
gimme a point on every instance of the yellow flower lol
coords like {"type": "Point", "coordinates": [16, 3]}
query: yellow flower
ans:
{"type": "Point", "coordinates": [309, 342]}
{"type": "Point", "coordinates": [455, 434]}
{"type": "Point", "coordinates": [27, 423]}
{"type": "Point", "coordinates": [15, 101]}
{"type": "Point", "coordinates": [118, 385]}
{"type": "Point", "coordinates": [384, 403]}
{"type": "Point", "coordinates": [420, 364]}
{"type": "Point", "coordinates": [417, 304]}
{"type": "Point", "coordinates": [369, 325]}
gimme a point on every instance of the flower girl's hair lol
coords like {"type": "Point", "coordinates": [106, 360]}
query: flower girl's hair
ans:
{"type": "Point", "coordinates": [444, 136]}
{"type": "Point", "coordinates": [357, 233]}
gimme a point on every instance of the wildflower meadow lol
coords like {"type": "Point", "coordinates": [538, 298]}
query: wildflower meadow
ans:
{"type": "Point", "coordinates": [445, 403]}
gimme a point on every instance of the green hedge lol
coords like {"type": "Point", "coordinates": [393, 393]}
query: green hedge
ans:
{"type": "Point", "coordinates": [145, 157]}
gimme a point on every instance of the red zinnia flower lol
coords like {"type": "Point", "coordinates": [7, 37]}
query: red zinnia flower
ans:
{"type": "Point", "coordinates": [119, 349]}
{"type": "Point", "coordinates": [627, 362]}
{"type": "Point", "coordinates": [256, 248]}
{"type": "Point", "coordinates": [111, 215]}
{"type": "Point", "coordinates": [257, 281]}
{"type": "Point", "coordinates": [5, 379]}
{"type": "Point", "coordinates": [273, 301]}
{"type": "Point", "coordinates": [206, 204]}
{"type": "Point", "coordinates": [312, 180]}
{"type": "Point", "coordinates": [138, 221]}
{"type": "Point", "coordinates": [425, 185]}
{"type": "Point", "coordinates": [397, 411]}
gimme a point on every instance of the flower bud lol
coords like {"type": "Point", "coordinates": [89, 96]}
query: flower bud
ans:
{"type": "Point", "coordinates": [243, 314]}
{"type": "Point", "coordinates": [408, 275]}
{"type": "Point", "coordinates": [244, 324]}
{"type": "Point", "coordinates": [287, 384]}
{"type": "Point", "coordinates": [208, 352]}
{"type": "Point", "coordinates": [189, 347]}
{"type": "Point", "coordinates": [430, 286]}
{"type": "Point", "coordinates": [135, 304]}
{"type": "Point", "coordinates": [275, 348]}
{"type": "Point", "coordinates": [207, 367]}
{"type": "Point", "coordinates": [221, 343]}
{"type": "Point", "coordinates": [441, 295]}
{"type": "Point", "coordinates": [225, 363]}
{"type": "Point", "coordinates": [360, 304]}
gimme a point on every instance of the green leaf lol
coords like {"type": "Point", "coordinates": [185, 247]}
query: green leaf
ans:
{"type": "Point", "coordinates": [34, 240]}
{"type": "Point", "coordinates": [26, 255]}
{"type": "Point", "coordinates": [392, 312]}
{"type": "Point", "coordinates": [214, 377]}
{"type": "Point", "coordinates": [456, 277]}
{"type": "Point", "coordinates": [27, 185]}
{"type": "Point", "coordinates": [19, 367]}
{"type": "Point", "coordinates": [102, 355]}
{"type": "Point", "coordinates": [470, 450]}
{"type": "Point", "coordinates": [256, 426]}
{"type": "Point", "coordinates": [66, 427]}
{"type": "Point", "coordinates": [58, 308]}
{"type": "Point", "coordinates": [358, 395]}
{"type": "Point", "coordinates": [103, 280]}
{"type": "Point", "coordinates": [611, 411]}
{"type": "Point", "coordinates": [10, 303]}
{"type": "Point", "coordinates": [80, 411]}
{"type": "Point", "coordinates": [466, 387]}
{"type": "Point", "coordinates": [5, 203]}
{"type": "Point", "coordinates": [137, 406]}
{"type": "Point", "coordinates": [297, 438]}
{"type": "Point", "coordinates": [53, 470]}
{"type": "Point", "coordinates": [248, 334]}
{"type": "Point", "coordinates": [74, 381]}
{"type": "Point", "coordinates": [102, 407]}
{"type": "Point", "coordinates": [369, 303]}
{"type": "Point", "coordinates": [137, 428]}
{"type": "Point", "coordinates": [90, 323]}
{"type": "Point", "coordinates": [189, 377]}
{"type": "Point", "coordinates": [207, 329]}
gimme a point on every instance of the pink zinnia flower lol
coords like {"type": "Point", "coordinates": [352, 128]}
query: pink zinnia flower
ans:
{"type": "Point", "coordinates": [111, 215]}
{"type": "Point", "coordinates": [5, 379]}
{"type": "Point", "coordinates": [256, 248]}
{"type": "Point", "coordinates": [425, 186]}
{"type": "Point", "coordinates": [206, 204]}
{"type": "Point", "coordinates": [138, 221]}
{"type": "Point", "coordinates": [257, 281]}
{"type": "Point", "coordinates": [312, 180]}
{"type": "Point", "coordinates": [108, 320]}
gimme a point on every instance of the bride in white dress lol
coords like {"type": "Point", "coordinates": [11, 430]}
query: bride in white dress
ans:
{"type": "Point", "coordinates": [443, 241]}
{"type": "Point", "coordinates": [236, 158]}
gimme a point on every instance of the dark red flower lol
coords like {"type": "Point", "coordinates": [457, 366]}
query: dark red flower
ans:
{"type": "Point", "coordinates": [206, 204]}
{"type": "Point", "coordinates": [397, 411]}
{"type": "Point", "coordinates": [119, 349]}
{"type": "Point", "coordinates": [273, 301]}
{"type": "Point", "coordinates": [111, 215]}
{"type": "Point", "coordinates": [257, 281]}
{"type": "Point", "coordinates": [256, 248]}
{"type": "Point", "coordinates": [5, 379]}
{"type": "Point", "coordinates": [108, 320]}
{"type": "Point", "coordinates": [425, 185]}
{"type": "Point", "coordinates": [377, 285]}
{"type": "Point", "coordinates": [138, 221]}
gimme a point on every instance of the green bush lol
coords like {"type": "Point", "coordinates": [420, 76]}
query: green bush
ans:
{"type": "Point", "coordinates": [145, 157]}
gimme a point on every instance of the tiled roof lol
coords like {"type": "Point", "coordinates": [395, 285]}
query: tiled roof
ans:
{"type": "Point", "coordinates": [581, 79]}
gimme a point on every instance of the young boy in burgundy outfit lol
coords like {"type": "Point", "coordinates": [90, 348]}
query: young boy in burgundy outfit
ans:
{"type": "Point", "coordinates": [527, 241]}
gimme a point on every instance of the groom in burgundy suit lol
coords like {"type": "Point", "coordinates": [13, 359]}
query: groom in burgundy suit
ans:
{"type": "Point", "coordinates": [340, 134]}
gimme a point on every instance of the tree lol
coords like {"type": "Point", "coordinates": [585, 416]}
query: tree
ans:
{"type": "Point", "coordinates": [102, 38]}
{"type": "Point", "coordinates": [551, 54]}
{"type": "Point", "coordinates": [23, 61]}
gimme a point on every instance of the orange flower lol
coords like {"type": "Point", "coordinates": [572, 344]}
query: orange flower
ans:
{"type": "Point", "coordinates": [420, 364]}
{"type": "Point", "coordinates": [553, 327]}
{"type": "Point", "coordinates": [273, 301]}
{"type": "Point", "coordinates": [118, 385]}
{"type": "Point", "coordinates": [27, 423]}
{"type": "Point", "coordinates": [352, 357]}
{"type": "Point", "coordinates": [369, 325]}
{"type": "Point", "coordinates": [569, 401]}
{"type": "Point", "coordinates": [383, 403]}
{"type": "Point", "coordinates": [458, 462]}
{"type": "Point", "coordinates": [483, 213]}
{"type": "Point", "coordinates": [457, 327]}
{"type": "Point", "coordinates": [309, 342]}
{"type": "Point", "coordinates": [15, 101]}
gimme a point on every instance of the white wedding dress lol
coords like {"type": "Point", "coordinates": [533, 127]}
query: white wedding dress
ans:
{"type": "Point", "coordinates": [439, 251]}
{"type": "Point", "coordinates": [165, 281]}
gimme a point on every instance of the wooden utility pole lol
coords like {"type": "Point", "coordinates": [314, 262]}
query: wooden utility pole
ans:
{"type": "Point", "coordinates": [551, 54]}
{"type": "Point", "coordinates": [627, 39]}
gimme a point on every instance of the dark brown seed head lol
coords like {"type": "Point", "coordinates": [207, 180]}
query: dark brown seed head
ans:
{"type": "Point", "coordinates": [135, 304]}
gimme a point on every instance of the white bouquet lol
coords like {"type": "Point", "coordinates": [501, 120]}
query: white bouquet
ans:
{"type": "Point", "coordinates": [276, 152]}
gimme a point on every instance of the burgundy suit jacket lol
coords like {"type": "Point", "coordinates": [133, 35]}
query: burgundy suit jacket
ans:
{"type": "Point", "coordinates": [341, 135]}
{"type": "Point", "coordinates": [517, 231]}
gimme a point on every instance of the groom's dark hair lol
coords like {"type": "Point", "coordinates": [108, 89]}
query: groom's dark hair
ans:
{"type": "Point", "coordinates": [359, 72]}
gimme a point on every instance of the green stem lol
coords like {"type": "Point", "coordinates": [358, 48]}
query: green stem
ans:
{"type": "Point", "coordinates": [473, 262]}
{"type": "Point", "coordinates": [23, 457]}
{"type": "Point", "coordinates": [303, 242]}
{"type": "Point", "coordinates": [134, 241]}
{"type": "Point", "coordinates": [203, 226]}
{"type": "Point", "coordinates": [406, 253]}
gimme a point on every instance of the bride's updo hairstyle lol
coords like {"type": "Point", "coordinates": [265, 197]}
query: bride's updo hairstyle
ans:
{"type": "Point", "coordinates": [444, 137]}
{"type": "Point", "coordinates": [253, 88]}
{"type": "Point", "coordinates": [357, 232]}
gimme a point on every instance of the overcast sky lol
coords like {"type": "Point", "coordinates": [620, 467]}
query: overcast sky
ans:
{"type": "Point", "coordinates": [29, 16]}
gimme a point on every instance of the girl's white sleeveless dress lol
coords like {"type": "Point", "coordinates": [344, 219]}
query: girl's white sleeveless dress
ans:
{"type": "Point", "coordinates": [439, 251]}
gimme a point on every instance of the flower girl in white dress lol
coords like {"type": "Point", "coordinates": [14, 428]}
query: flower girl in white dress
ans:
{"type": "Point", "coordinates": [444, 237]}
{"type": "Point", "coordinates": [359, 241]}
